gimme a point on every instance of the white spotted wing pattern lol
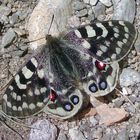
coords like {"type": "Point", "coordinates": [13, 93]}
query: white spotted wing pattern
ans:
{"type": "Point", "coordinates": [68, 69]}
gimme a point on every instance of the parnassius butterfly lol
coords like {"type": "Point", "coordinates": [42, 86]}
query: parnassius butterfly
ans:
{"type": "Point", "coordinates": [67, 69]}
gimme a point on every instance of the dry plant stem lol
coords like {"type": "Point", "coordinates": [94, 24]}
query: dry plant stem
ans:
{"type": "Point", "coordinates": [10, 128]}
{"type": "Point", "coordinates": [15, 120]}
{"type": "Point", "coordinates": [126, 98]}
{"type": "Point", "coordinates": [5, 85]}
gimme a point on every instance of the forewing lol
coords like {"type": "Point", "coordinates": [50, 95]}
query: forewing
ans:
{"type": "Point", "coordinates": [106, 41]}
{"type": "Point", "coordinates": [28, 91]}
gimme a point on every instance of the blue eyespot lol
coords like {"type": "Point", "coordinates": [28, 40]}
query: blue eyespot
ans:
{"type": "Point", "coordinates": [93, 87]}
{"type": "Point", "coordinates": [75, 99]}
{"type": "Point", "coordinates": [103, 85]}
{"type": "Point", "coordinates": [68, 106]}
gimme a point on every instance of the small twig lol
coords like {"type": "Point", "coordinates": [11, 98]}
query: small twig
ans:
{"type": "Point", "coordinates": [126, 98]}
{"type": "Point", "coordinates": [10, 128]}
{"type": "Point", "coordinates": [13, 121]}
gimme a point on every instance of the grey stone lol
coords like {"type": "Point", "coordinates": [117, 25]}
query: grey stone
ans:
{"type": "Point", "coordinates": [101, 17]}
{"type": "Point", "coordinates": [130, 108]}
{"type": "Point", "coordinates": [4, 10]}
{"type": "Point", "coordinates": [129, 77]}
{"type": "Point", "coordinates": [75, 134]}
{"type": "Point", "coordinates": [86, 1]}
{"type": "Point", "coordinates": [132, 134]}
{"type": "Point", "coordinates": [132, 98]}
{"type": "Point", "coordinates": [78, 5]}
{"type": "Point", "coordinates": [99, 9]}
{"type": "Point", "coordinates": [19, 31]}
{"type": "Point", "coordinates": [38, 27]}
{"type": "Point", "coordinates": [62, 136]}
{"type": "Point", "coordinates": [93, 121]}
{"type": "Point", "coordinates": [124, 10]}
{"type": "Point", "coordinates": [93, 2]}
{"type": "Point", "coordinates": [123, 135]}
{"type": "Point", "coordinates": [137, 43]}
{"type": "Point", "coordinates": [106, 137]}
{"type": "Point", "coordinates": [4, 19]}
{"type": "Point", "coordinates": [45, 131]}
{"type": "Point", "coordinates": [97, 134]}
{"type": "Point", "coordinates": [23, 47]}
{"type": "Point", "coordinates": [23, 14]}
{"type": "Point", "coordinates": [118, 102]}
{"type": "Point", "coordinates": [91, 15]}
{"type": "Point", "coordinates": [83, 126]}
{"type": "Point", "coordinates": [107, 3]}
{"type": "Point", "coordinates": [82, 13]}
{"type": "Point", "coordinates": [138, 99]}
{"type": "Point", "coordinates": [19, 53]}
{"type": "Point", "coordinates": [13, 19]}
{"type": "Point", "coordinates": [8, 38]}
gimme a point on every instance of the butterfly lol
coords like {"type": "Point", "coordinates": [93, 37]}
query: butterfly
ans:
{"type": "Point", "coordinates": [69, 68]}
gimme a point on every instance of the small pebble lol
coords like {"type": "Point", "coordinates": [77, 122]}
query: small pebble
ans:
{"type": "Point", "coordinates": [137, 43]}
{"type": "Point", "coordinates": [122, 135]}
{"type": "Point", "coordinates": [129, 77]}
{"type": "Point", "coordinates": [132, 98]}
{"type": "Point", "coordinates": [45, 131]}
{"type": "Point", "coordinates": [118, 102]}
{"type": "Point", "coordinates": [8, 38]}
{"type": "Point", "coordinates": [93, 121]}
{"type": "Point", "coordinates": [13, 19]}
{"type": "Point", "coordinates": [107, 137]}
{"type": "Point", "coordinates": [78, 5]}
{"type": "Point", "coordinates": [4, 10]}
{"type": "Point", "coordinates": [99, 9]}
{"type": "Point", "coordinates": [130, 109]}
{"type": "Point", "coordinates": [62, 136]}
{"type": "Point", "coordinates": [86, 1]}
{"type": "Point", "coordinates": [97, 134]}
{"type": "Point", "coordinates": [123, 12]}
{"type": "Point", "coordinates": [19, 31]}
{"type": "Point", "coordinates": [82, 13]}
{"type": "Point", "coordinates": [93, 2]}
{"type": "Point", "coordinates": [107, 3]}
{"type": "Point", "coordinates": [75, 134]}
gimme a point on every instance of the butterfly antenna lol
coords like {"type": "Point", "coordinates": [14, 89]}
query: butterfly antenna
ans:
{"type": "Point", "coordinates": [33, 40]}
{"type": "Point", "coordinates": [51, 24]}
{"type": "Point", "coordinates": [42, 37]}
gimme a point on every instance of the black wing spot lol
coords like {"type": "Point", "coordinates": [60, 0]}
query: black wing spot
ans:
{"type": "Point", "coordinates": [75, 99]}
{"type": "Point", "coordinates": [102, 85]}
{"type": "Point", "coordinates": [68, 106]}
{"type": "Point", "coordinates": [31, 66]}
{"type": "Point", "coordinates": [93, 87]}
{"type": "Point", "coordinates": [83, 32]}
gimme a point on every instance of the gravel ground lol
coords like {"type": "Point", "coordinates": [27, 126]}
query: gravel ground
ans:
{"type": "Point", "coordinates": [14, 16]}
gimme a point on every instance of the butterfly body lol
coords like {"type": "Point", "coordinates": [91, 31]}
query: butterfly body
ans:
{"type": "Point", "coordinates": [68, 69]}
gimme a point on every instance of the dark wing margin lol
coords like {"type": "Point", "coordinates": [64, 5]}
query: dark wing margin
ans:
{"type": "Point", "coordinates": [106, 41]}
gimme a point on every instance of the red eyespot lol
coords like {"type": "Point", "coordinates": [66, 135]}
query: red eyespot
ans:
{"type": "Point", "coordinates": [100, 65]}
{"type": "Point", "coordinates": [52, 95]}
